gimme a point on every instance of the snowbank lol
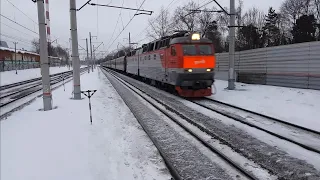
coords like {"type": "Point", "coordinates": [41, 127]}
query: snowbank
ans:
{"type": "Point", "coordinates": [298, 106]}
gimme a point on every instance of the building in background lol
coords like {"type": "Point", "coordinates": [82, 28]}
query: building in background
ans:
{"type": "Point", "coordinates": [24, 59]}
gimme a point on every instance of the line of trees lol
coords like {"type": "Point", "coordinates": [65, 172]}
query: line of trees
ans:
{"type": "Point", "coordinates": [55, 51]}
{"type": "Point", "coordinates": [296, 21]}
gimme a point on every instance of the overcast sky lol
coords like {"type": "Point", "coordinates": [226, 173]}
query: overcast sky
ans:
{"type": "Point", "coordinates": [103, 26]}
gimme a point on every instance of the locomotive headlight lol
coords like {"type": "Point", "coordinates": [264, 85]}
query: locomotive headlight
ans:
{"type": "Point", "coordinates": [189, 70]}
{"type": "Point", "coordinates": [209, 70]}
{"type": "Point", "coordinates": [195, 36]}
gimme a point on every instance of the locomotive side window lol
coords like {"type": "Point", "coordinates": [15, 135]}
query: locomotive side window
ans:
{"type": "Point", "coordinates": [173, 51]}
{"type": "Point", "coordinates": [189, 49]}
{"type": "Point", "coordinates": [205, 50]}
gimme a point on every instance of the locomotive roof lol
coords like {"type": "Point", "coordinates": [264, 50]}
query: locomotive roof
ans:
{"type": "Point", "coordinates": [189, 40]}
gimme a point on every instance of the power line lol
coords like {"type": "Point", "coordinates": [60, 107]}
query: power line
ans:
{"type": "Point", "coordinates": [116, 24]}
{"type": "Point", "coordinates": [183, 16]}
{"type": "Point", "coordinates": [126, 25]}
{"type": "Point", "coordinates": [221, 7]}
{"type": "Point", "coordinates": [30, 19]}
{"type": "Point", "coordinates": [155, 18]}
{"type": "Point", "coordinates": [25, 40]}
{"type": "Point", "coordinates": [17, 38]}
{"type": "Point", "coordinates": [19, 24]}
{"type": "Point", "coordinates": [121, 7]}
{"type": "Point", "coordinates": [22, 12]}
{"type": "Point", "coordinates": [17, 29]}
{"type": "Point", "coordinates": [26, 44]}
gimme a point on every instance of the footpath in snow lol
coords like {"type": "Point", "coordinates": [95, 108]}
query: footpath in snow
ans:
{"type": "Point", "coordinates": [61, 144]}
{"type": "Point", "coordinates": [9, 77]}
{"type": "Point", "coordinates": [298, 106]}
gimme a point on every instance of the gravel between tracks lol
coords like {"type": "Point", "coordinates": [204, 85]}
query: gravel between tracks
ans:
{"type": "Point", "coordinates": [271, 158]}
{"type": "Point", "coordinates": [186, 159]}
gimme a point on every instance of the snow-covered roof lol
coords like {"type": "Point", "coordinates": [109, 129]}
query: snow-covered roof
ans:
{"type": "Point", "coordinates": [18, 51]}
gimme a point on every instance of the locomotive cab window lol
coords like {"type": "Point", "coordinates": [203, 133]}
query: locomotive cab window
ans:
{"type": "Point", "coordinates": [189, 50]}
{"type": "Point", "coordinates": [173, 51]}
{"type": "Point", "coordinates": [205, 50]}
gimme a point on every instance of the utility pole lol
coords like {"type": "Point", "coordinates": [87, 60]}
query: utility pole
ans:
{"type": "Point", "coordinates": [129, 41]}
{"type": "Point", "coordinates": [232, 33]}
{"type": "Point", "coordinates": [94, 56]}
{"type": "Point", "coordinates": [91, 51]}
{"type": "Point", "coordinates": [75, 51]}
{"type": "Point", "coordinates": [15, 55]}
{"type": "Point", "coordinates": [44, 62]}
{"type": "Point", "coordinates": [88, 63]}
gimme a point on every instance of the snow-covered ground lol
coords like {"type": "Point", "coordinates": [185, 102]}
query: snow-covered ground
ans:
{"type": "Point", "coordinates": [9, 77]}
{"type": "Point", "coordinates": [298, 106]}
{"type": "Point", "coordinates": [61, 144]}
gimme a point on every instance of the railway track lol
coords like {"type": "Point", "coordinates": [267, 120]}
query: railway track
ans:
{"type": "Point", "coordinates": [279, 164]}
{"type": "Point", "coordinates": [18, 91]}
{"type": "Point", "coordinates": [8, 86]}
{"type": "Point", "coordinates": [301, 136]}
{"type": "Point", "coordinates": [155, 103]}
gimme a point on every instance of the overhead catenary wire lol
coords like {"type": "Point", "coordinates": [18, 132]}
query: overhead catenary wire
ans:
{"type": "Point", "coordinates": [145, 29]}
{"type": "Point", "coordinates": [26, 44]}
{"type": "Point", "coordinates": [18, 30]}
{"type": "Point", "coordinates": [23, 41]}
{"type": "Point", "coordinates": [22, 12]}
{"type": "Point", "coordinates": [19, 24]}
{"type": "Point", "coordinates": [114, 30]}
{"type": "Point", "coordinates": [126, 25]}
{"type": "Point", "coordinates": [183, 16]}
{"type": "Point", "coordinates": [35, 22]}
{"type": "Point", "coordinates": [16, 37]}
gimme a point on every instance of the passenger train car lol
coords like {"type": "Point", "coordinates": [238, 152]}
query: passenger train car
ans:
{"type": "Point", "coordinates": [184, 62]}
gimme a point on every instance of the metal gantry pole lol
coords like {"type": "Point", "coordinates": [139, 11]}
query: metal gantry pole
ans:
{"type": "Point", "coordinates": [94, 56]}
{"type": "Point", "coordinates": [15, 55]}
{"type": "Point", "coordinates": [75, 51]}
{"type": "Point", "coordinates": [44, 62]}
{"type": "Point", "coordinates": [91, 51]}
{"type": "Point", "coordinates": [232, 33]}
{"type": "Point", "coordinates": [129, 41]}
{"type": "Point", "coordinates": [88, 62]}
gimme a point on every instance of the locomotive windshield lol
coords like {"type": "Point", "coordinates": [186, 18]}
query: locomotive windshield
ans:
{"type": "Point", "coordinates": [192, 50]}
{"type": "Point", "coordinates": [189, 50]}
{"type": "Point", "coordinates": [205, 50]}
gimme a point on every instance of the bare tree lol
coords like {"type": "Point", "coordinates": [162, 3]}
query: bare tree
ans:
{"type": "Point", "coordinates": [316, 4]}
{"type": "Point", "coordinates": [36, 45]}
{"type": "Point", "coordinates": [223, 22]}
{"type": "Point", "coordinates": [255, 17]}
{"type": "Point", "coordinates": [205, 20]}
{"type": "Point", "coordinates": [293, 9]}
{"type": "Point", "coordinates": [184, 19]}
{"type": "Point", "coordinates": [160, 26]}
{"type": "Point", "coordinates": [239, 13]}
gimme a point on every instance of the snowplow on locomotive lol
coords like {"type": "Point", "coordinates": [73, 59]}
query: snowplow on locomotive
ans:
{"type": "Point", "coordinates": [183, 62]}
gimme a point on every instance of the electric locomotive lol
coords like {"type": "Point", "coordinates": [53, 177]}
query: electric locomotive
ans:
{"type": "Point", "coordinates": [183, 62]}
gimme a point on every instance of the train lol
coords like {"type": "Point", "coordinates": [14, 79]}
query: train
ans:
{"type": "Point", "coordinates": [183, 62]}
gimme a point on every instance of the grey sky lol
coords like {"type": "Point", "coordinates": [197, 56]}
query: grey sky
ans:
{"type": "Point", "coordinates": [87, 20]}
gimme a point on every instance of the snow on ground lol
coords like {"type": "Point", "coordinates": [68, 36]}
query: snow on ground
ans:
{"type": "Point", "coordinates": [298, 106]}
{"type": "Point", "coordinates": [9, 77]}
{"type": "Point", "coordinates": [61, 144]}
